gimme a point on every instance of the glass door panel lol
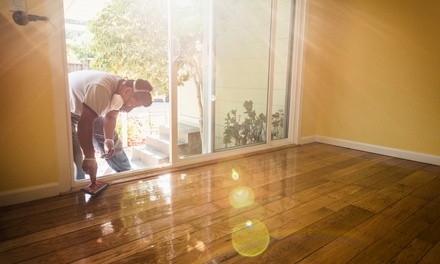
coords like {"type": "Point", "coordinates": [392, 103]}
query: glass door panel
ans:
{"type": "Point", "coordinates": [241, 43]}
{"type": "Point", "coordinates": [133, 45]}
{"type": "Point", "coordinates": [282, 69]}
{"type": "Point", "coordinates": [188, 41]}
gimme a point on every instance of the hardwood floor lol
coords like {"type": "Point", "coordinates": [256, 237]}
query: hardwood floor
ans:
{"type": "Point", "coordinates": [314, 203]}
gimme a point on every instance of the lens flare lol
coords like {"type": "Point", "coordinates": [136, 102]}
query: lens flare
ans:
{"type": "Point", "coordinates": [241, 197]}
{"type": "Point", "coordinates": [250, 238]}
{"type": "Point", "coordinates": [235, 175]}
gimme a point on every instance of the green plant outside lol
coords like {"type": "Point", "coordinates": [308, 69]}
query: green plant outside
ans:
{"type": "Point", "coordinates": [253, 129]}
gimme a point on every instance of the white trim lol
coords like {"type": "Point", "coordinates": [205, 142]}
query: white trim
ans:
{"type": "Point", "coordinates": [307, 140]}
{"type": "Point", "coordinates": [172, 90]}
{"type": "Point", "coordinates": [208, 79]}
{"type": "Point", "coordinates": [398, 153]}
{"type": "Point", "coordinates": [270, 77]}
{"type": "Point", "coordinates": [300, 11]}
{"type": "Point", "coordinates": [60, 96]}
{"type": "Point", "coordinates": [27, 194]}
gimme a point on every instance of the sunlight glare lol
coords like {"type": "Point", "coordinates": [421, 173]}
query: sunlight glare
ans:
{"type": "Point", "coordinates": [251, 238]}
{"type": "Point", "coordinates": [241, 197]}
{"type": "Point", "coordinates": [107, 228]}
{"type": "Point", "coordinates": [235, 175]}
{"type": "Point", "coordinates": [87, 197]}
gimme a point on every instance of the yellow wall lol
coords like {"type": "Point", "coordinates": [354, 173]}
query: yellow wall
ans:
{"type": "Point", "coordinates": [372, 73]}
{"type": "Point", "coordinates": [27, 135]}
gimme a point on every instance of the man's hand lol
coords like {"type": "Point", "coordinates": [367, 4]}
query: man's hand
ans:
{"type": "Point", "coordinates": [90, 167]}
{"type": "Point", "coordinates": [109, 148]}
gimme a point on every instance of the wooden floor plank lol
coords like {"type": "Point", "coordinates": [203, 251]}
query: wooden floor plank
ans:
{"type": "Point", "coordinates": [413, 252]}
{"type": "Point", "coordinates": [433, 255]}
{"type": "Point", "coordinates": [314, 203]}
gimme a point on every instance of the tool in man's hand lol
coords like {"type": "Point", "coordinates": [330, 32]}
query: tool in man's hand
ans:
{"type": "Point", "coordinates": [96, 187]}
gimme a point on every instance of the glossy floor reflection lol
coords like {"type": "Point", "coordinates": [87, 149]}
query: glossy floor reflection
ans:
{"type": "Point", "coordinates": [314, 203]}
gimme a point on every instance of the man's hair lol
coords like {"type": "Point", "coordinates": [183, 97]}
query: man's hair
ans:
{"type": "Point", "coordinates": [141, 89]}
{"type": "Point", "coordinates": [139, 85]}
{"type": "Point", "coordinates": [145, 98]}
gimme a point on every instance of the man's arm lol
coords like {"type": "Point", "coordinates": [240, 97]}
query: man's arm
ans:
{"type": "Point", "coordinates": [85, 138]}
{"type": "Point", "coordinates": [109, 129]}
{"type": "Point", "coordinates": [110, 124]}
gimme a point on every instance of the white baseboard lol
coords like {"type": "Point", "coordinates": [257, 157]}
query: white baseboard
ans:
{"type": "Point", "coordinates": [307, 140]}
{"type": "Point", "coordinates": [27, 194]}
{"type": "Point", "coordinates": [398, 153]}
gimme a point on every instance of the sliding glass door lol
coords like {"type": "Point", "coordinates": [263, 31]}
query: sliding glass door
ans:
{"type": "Point", "coordinates": [230, 66]}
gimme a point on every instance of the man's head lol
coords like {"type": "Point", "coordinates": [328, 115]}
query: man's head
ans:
{"type": "Point", "coordinates": [135, 93]}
